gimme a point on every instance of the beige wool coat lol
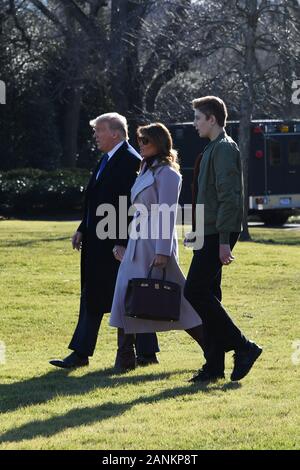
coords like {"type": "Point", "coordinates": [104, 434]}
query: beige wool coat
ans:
{"type": "Point", "coordinates": [161, 186]}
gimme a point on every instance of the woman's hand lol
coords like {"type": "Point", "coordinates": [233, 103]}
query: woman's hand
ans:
{"type": "Point", "coordinates": [119, 252]}
{"type": "Point", "coordinates": [160, 261]}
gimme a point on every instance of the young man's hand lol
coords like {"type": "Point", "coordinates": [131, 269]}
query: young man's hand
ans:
{"type": "Point", "coordinates": [226, 257]}
{"type": "Point", "coordinates": [77, 241]}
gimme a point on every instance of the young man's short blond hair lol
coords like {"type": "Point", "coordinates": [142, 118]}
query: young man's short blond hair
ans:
{"type": "Point", "coordinates": [116, 122]}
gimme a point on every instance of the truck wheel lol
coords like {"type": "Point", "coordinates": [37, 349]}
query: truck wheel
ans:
{"type": "Point", "coordinates": [274, 219]}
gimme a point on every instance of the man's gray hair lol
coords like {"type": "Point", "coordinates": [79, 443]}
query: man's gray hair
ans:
{"type": "Point", "coordinates": [116, 122]}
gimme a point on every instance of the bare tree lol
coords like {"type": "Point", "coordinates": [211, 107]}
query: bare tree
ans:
{"type": "Point", "coordinates": [250, 37]}
{"type": "Point", "coordinates": [143, 57]}
{"type": "Point", "coordinates": [80, 31]}
{"type": "Point", "coordinates": [144, 52]}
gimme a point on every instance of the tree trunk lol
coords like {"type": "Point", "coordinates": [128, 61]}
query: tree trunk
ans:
{"type": "Point", "coordinates": [126, 85]}
{"type": "Point", "coordinates": [70, 126]}
{"type": "Point", "coordinates": [246, 103]}
{"type": "Point", "coordinates": [76, 54]}
{"type": "Point", "coordinates": [117, 60]}
{"type": "Point", "coordinates": [244, 144]}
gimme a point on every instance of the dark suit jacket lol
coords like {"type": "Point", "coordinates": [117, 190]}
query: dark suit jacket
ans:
{"type": "Point", "coordinates": [98, 265]}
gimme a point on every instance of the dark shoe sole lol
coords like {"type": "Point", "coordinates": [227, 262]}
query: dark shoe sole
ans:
{"type": "Point", "coordinates": [235, 378]}
{"type": "Point", "coordinates": [63, 365]}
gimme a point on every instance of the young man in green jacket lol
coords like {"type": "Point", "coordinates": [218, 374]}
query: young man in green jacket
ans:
{"type": "Point", "coordinates": [220, 189]}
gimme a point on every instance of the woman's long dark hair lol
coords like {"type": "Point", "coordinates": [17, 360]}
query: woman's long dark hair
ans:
{"type": "Point", "coordinates": [160, 136]}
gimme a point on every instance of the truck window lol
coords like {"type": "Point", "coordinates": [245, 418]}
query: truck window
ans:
{"type": "Point", "coordinates": [294, 152]}
{"type": "Point", "coordinates": [274, 152]}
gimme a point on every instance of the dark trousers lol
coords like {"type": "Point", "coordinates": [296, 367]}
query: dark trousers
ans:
{"type": "Point", "coordinates": [86, 333]}
{"type": "Point", "coordinates": [203, 291]}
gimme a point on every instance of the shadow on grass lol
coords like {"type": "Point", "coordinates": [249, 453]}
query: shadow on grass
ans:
{"type": "Point", "coordinates": [89, 415]}
{"type": "Point", "coordinates": [276, 235]}
{"type": "Point", "coordinates": [77, 217]}
{"type": "Point", "coordinates": [279, 238]}
{"type": "Point", "coordinates": [38, 241]}
{"type": "Point", "coordinates": [271, 241]}
{"type": "Point", "coordinates": [39, 390]}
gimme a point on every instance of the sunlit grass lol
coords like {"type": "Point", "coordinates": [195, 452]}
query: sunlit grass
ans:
{"type": "Point", "coordinates": [153, 407]}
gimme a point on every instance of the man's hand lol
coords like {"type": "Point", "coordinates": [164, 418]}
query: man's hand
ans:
{"type": "Point", "coordinates": [77, 241]}
{"type": "Point", "coordinates": [119, 252]}
{"type": "Point", "coordinates": [226, 257]}
{"type": "Point", "coordinates": [160, 261]}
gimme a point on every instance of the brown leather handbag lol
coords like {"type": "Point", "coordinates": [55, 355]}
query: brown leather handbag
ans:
{"type": "Point", "coordinates": [153, 299]}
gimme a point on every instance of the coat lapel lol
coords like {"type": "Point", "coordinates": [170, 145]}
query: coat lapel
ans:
{"type": "Point", "coordinates": [93, 176]}
{"type": "Point", "coordinates": [142, 182]}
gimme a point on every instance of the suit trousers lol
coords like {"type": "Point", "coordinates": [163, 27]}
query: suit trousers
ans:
{"type": "Point", "coordinates": [86, 333]}
{"type": "Point", "coordinates": [203, 291]}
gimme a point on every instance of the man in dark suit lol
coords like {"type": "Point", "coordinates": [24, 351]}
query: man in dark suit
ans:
{"type": "Point", "coordinates": [112, 178]}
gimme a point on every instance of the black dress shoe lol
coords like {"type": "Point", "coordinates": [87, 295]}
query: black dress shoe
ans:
{"type": "Point", "coordinates": [206, 375]}
{"type": "Point", "coordinates": [244, 360]}
{"type": "Point", "coordinates": [147, 360]}
{"type": "Point", "coordinates": [70, 362]}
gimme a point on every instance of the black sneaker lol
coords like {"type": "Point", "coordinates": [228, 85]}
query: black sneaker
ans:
{"type": "Point", "coordinates": [206, 375]}
{"type": "Point", "coordinates": [244, 360]}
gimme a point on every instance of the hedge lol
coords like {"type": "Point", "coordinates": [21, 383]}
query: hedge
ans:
{"type": "Point", "coordinates": [31, 191]}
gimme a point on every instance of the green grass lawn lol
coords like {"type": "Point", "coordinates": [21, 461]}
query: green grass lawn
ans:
{"type": "Point", "coordinates": [153, 407]}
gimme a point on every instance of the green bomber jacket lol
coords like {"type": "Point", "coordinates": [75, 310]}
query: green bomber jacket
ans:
{"type": "Point", "coordinates": [220, 188]}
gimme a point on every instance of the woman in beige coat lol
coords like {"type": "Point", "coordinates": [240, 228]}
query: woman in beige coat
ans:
{"type": "Point", "coordinates": [159, 182]}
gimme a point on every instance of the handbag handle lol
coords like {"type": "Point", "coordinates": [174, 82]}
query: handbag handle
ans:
{"type": "Point", "coordinates": [150, 272]}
